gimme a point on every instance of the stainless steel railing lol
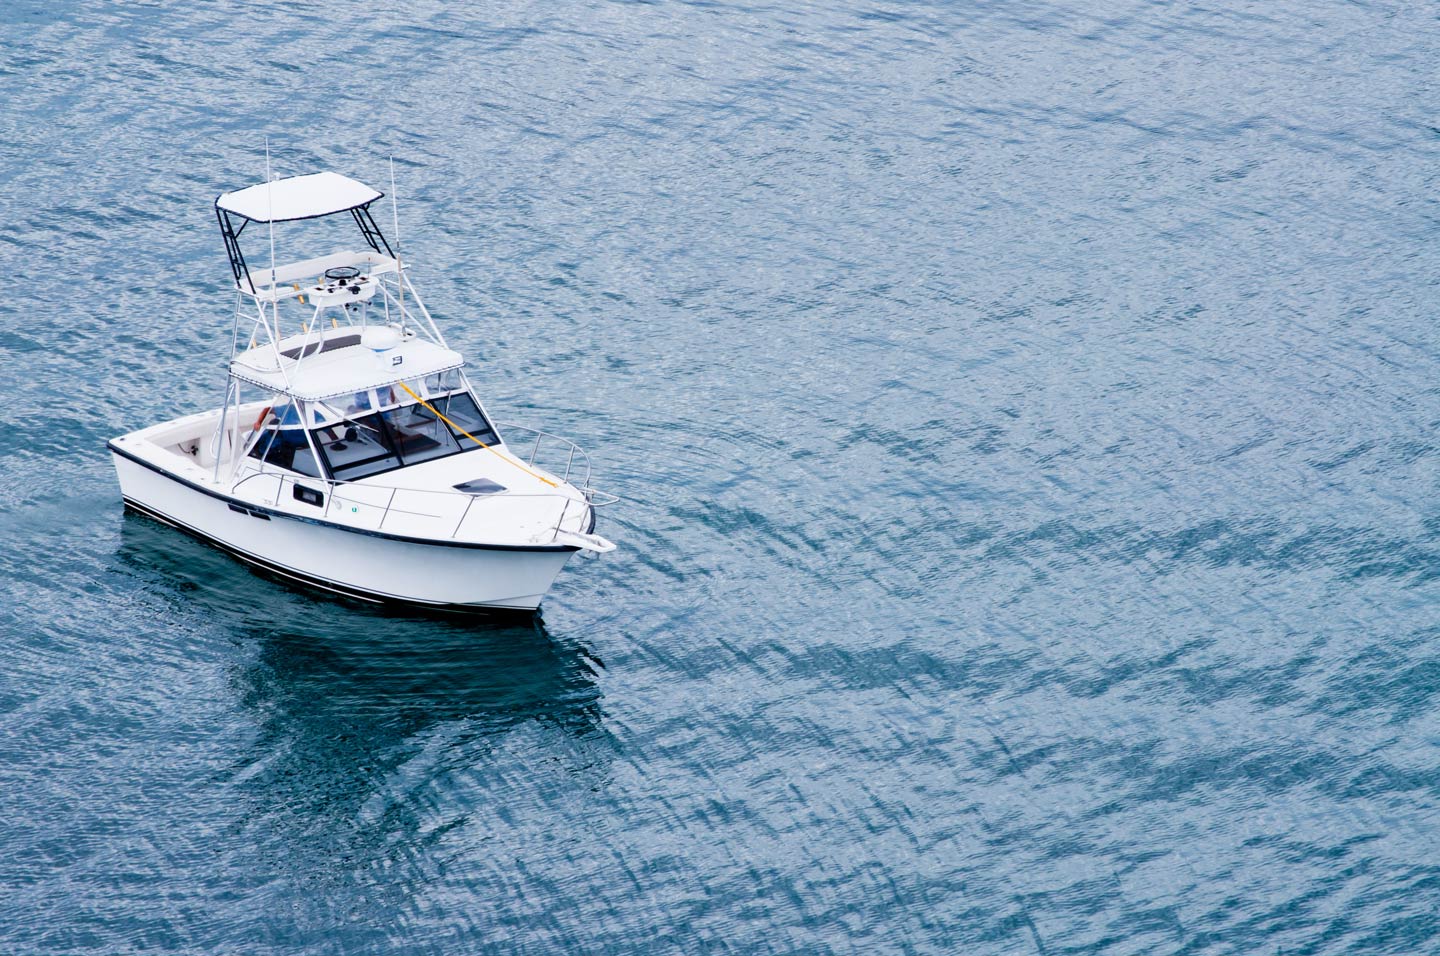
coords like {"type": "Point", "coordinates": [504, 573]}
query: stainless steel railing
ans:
{"type": "Point", "coordinates": [568, 447]}
{"type": "Point", "coordinates": [339, 493]}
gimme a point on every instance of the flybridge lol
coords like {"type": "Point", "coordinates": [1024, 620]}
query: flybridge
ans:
{"type": "Point", "coordinates": [291, 200]}
{"type": "Point", "coordinates": [360, 325]}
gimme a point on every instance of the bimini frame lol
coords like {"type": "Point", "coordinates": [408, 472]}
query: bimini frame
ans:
{"type": "Point", "coordinates": [241, 271]}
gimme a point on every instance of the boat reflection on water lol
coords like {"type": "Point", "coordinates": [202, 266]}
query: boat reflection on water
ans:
{"type": "Point", "coordinates": [345, 704]}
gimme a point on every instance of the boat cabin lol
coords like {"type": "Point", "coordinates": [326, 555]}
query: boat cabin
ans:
{"type": "Point", "coordinates": [371, 431]}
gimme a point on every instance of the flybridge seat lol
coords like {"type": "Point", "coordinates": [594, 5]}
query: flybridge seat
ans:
{"type": "Point", "coordinates": [299, 278]}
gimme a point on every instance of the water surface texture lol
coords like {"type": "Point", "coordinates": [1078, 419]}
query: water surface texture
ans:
{"type": "Point", "coordinates": [1025, 414]}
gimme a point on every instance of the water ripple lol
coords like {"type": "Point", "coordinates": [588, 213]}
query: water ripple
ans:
{"type": "Point", "coordinates": [1023, 417]}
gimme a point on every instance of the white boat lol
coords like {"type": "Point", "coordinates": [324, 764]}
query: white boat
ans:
{"type": "Point", "coordinates": [351, 452]}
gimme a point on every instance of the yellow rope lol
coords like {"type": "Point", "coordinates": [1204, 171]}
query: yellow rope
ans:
{"type": "Point", "coordinates": [477, 441]}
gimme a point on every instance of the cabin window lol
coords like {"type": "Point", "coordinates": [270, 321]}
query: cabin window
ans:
{"type": "Point", "coordinates": [359, 403]}
{"type": "Point", "coordinates": [462, 412]}
{"type": "Point", "coordinates": [442, 382]}
{"type": "Point", "coordinates": [282, 442]}
{"type": "Point", "coordinates": [419, 435]}
{"type": "Point", "coordinates": [357, 447]}
{"type": "Point", "coordinates": [304, 462]}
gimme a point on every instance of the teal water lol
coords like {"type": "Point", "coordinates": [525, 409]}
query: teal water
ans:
{"type": "Point", "coordinates": [1025, 417]}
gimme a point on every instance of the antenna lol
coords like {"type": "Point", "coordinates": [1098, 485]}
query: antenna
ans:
{"type": "Point", "coordinates": [395, 219]}
{"type": "Point", "coordinates": [270, 214]}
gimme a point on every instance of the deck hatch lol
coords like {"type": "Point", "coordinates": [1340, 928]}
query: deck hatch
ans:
{"type": "Point", "coordinates": [480, 486]}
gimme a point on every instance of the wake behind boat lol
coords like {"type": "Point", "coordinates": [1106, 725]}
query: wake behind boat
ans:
{"type": "Point", "coordinates": [352, 453]}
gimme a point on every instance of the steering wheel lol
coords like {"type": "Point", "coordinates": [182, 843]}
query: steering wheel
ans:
{"type": "Point", "coordinates": [342, 274]}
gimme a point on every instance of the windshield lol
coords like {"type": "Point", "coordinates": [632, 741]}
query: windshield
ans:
{"type": "Point", "coordinates": [359, 445]}
{"type": "Point", "coordinates": [465, 416]}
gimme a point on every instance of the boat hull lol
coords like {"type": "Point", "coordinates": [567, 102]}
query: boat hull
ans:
{"type": "Point", "coordinates": [373, 567]}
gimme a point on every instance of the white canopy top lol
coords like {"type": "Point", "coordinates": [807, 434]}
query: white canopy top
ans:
{"type": "Point", "coordinates": [298, 197]}
{"type": "Point", "coordinates": [339, 371]}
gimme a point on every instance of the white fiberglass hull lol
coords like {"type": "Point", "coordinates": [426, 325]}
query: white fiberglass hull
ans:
{"type": "Point", "coordinates": [366, 565]}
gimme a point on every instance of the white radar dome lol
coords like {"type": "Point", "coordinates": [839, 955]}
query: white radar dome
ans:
{"type": "Point", "coordinates": [380, 338]}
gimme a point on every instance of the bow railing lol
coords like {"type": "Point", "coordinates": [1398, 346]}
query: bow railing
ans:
{"type": "Point", "coordinates": [429, 513]}
{"type": "Point", "coordinates": [547, 441]}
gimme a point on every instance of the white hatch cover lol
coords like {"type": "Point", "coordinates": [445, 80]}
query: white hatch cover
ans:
{"type": "Point", "coordinates": [298, 197]}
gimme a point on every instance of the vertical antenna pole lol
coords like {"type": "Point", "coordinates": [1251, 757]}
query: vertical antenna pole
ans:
{"type": "Point", "coordinates": [270, 202]}
{"type": "Point", "coordinates": [395, 219]}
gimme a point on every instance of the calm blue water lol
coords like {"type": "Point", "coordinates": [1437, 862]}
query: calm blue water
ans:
{"type": "Point", "coordinates": [1026, 414]}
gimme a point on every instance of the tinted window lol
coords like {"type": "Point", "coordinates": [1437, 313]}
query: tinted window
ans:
{"type": "Point", "coordinates": [358, 447]}
{"type": "Point", "coordinates": [419, 435]}
{"type": "Point", "coordinates": [286, 448]}
{"type": "Point", "coordinates": [462, 411]}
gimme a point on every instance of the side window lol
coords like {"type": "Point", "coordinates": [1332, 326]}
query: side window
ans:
{"type": "Point", "coordinates": [304, 462]}
{"type": "Point", "coordinates": [265, 446]}
{"type": "Point", "coordinates": [282, 440]}
{"type": "Point", "coordinates": [285, 448]}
